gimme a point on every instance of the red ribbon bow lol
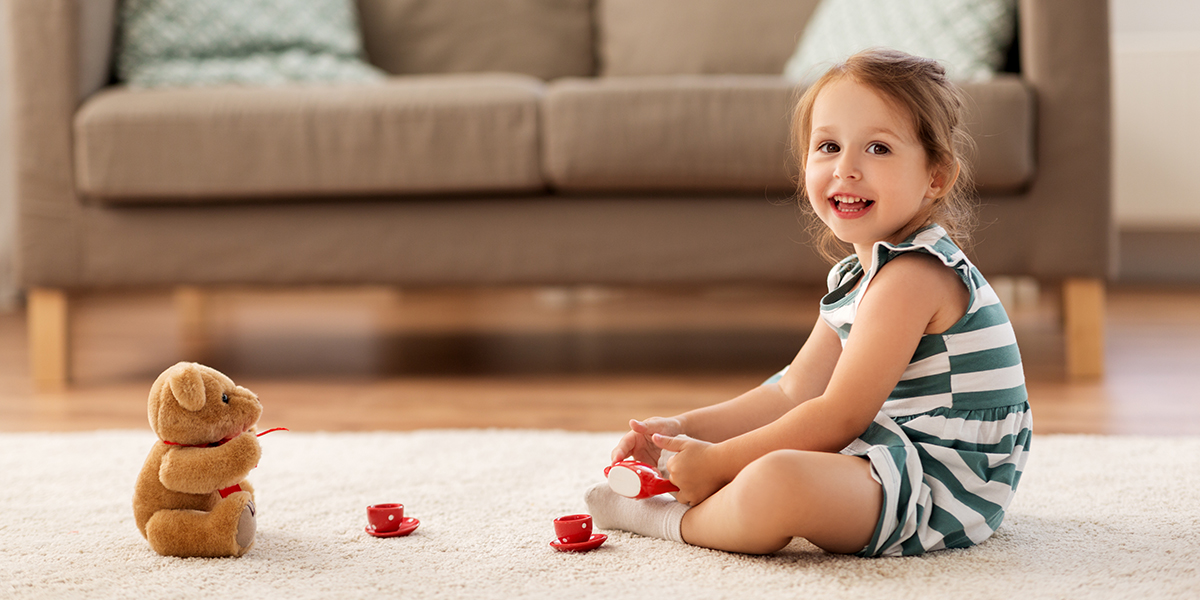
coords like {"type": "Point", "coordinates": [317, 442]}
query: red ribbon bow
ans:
{"type": "Point", "coordinates": [233, 488]}
{"type": "Point", "coordinates": [220, 443]}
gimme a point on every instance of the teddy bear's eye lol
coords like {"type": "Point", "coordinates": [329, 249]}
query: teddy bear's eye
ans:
{"type": "Point", "coordinates": [225, 398]}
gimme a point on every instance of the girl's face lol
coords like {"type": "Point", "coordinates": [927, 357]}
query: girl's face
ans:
{"type": "Point", "coordinates": [866, 174]}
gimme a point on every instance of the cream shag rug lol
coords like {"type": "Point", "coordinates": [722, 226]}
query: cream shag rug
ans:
{"type": "Point", "coordinates": [1095, 517]}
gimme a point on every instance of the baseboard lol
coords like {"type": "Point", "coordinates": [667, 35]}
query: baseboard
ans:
{"type": "Point", "coordinates": [1159, 256]}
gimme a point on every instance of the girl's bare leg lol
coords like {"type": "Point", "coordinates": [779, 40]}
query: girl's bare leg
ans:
{"type": "Point", "coordinates": [828, 499]}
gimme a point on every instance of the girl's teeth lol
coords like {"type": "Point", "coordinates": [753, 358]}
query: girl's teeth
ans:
{"type": "Point", "coordinates": [846, 204]}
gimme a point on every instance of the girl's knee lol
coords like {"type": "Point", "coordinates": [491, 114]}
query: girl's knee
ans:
{"type": "Point", "coordinates": [813, 495]}
{"type": "Point", "coordinates": [770, 478]}
{"type": "Point", "coordinates": [776, 465]}
{"type": "Point", "coordinates": [791, 481]}
{"type": "Point", "coordinates": [760, 504]}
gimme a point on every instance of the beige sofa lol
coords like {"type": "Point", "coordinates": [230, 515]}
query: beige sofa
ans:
{"type": "Point", "coordinates": [621, 142]}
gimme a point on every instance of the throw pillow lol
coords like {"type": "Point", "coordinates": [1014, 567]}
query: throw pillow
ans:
{"type": "Point", "coordinates": [263, 42]}
{"type": "Point", "coordinates": [969, 37]}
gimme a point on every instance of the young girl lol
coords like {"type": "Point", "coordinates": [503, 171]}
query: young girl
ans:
{"type": "Point", "coordinates": [902, 425]}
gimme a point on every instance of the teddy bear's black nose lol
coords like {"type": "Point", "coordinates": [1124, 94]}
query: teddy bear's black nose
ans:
{"type": "Point", "coordinates": [225, 398]}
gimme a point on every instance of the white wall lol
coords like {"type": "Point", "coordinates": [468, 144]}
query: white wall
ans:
{"type": "Point", "coordinates": [1156, 106]}
{"type": "Point", "coordinates": [8, 292]}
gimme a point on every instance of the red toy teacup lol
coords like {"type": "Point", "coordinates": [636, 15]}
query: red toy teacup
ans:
{"type": "Point", "coordinates": [637, 480]}
{"type": "Point", "coordinates": [573, 529]}
{"type": "Point", "coordinates": [385, 518]}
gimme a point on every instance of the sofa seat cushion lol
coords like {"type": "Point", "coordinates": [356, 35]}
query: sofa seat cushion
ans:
{"type": "Point", "coordinates": [730, 133]}
{"type": "Point", "coordinates": [446, 133]}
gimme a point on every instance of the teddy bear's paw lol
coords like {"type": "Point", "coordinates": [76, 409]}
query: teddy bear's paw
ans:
{"type": "Point", "coordinates": [247, 526]}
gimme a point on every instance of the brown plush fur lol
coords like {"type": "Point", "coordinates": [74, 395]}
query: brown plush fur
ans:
{"type": "Point", "coordinates": [177, 501]}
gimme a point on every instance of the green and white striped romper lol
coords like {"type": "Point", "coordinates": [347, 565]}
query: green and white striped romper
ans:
{"type": "Point", "coordinates": [950, 442]}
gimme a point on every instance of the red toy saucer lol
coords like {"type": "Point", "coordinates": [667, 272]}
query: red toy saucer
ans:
{"type": "Point", "coordinates": [407, 526]}
{"type": "Point", "coordinates": [591, 544]}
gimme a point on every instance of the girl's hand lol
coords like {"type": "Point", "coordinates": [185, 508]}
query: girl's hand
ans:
{"type": "Point", "coordinates": [694, 469]}
{"type": "Point", "coordinates": [637, 444]}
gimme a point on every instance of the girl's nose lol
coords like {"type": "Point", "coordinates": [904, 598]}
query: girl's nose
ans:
{"type": "Point", "coordinates": [846, 167]}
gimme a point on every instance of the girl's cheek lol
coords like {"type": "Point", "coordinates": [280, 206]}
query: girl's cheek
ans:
{"type": "Point", "coordinates": [817, 207]}
{"type": "Point", "coordinates": [812, 184]}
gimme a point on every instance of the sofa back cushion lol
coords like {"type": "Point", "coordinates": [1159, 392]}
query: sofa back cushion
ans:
{"type": "Point", "coordinates": [543, 38]}
{"type": "Point", "coordinates": [730, 133]}
{"type": "Point", "coordinates": [171, 43]}
{"type": "Point", "coordinates": [691, 37]}
{"type": "Point", "coordinates": [969, 37]}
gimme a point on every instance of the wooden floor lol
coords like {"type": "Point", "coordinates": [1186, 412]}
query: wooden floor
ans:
{"type": "Point", "coordinates": [579, 359]}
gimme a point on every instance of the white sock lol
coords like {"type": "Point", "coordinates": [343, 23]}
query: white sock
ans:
{"type": "Point", "coordinates": [659, 516]}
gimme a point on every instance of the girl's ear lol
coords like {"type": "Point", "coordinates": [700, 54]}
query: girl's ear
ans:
{"type": "Point", "coordinates": [942, 180]}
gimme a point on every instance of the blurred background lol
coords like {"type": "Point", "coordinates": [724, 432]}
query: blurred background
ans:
{"type": "Point", "coordinates": [1156, 47]}
{"type": "Point", "coordinates": [590, 358]}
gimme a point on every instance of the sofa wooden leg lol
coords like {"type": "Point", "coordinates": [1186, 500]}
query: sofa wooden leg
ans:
{"type": "Point", "coordinates": [192, 308]}
{"type": "Point", "coordinates": [49, 337]}
{"type": "Point", "coordinates": [1083, 324]}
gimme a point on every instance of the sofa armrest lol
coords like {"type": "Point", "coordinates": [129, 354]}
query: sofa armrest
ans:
{"type": "Point", "coordinates": [1065, 56]}
{"type": "Point", "coordinates": [45, 93]}
{"type": "Point", "coordinates": [97, 26]}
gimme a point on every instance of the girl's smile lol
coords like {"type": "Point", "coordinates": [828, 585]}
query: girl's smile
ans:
{"type": "Point", "coordinates": [850, 207]}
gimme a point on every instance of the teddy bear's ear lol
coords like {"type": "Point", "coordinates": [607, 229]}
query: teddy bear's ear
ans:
{"type": "Point", "coordinates": [187, 386]}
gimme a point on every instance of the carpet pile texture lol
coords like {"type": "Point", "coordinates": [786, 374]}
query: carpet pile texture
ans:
{"type": "Point", "coordinates": [1095, 517]}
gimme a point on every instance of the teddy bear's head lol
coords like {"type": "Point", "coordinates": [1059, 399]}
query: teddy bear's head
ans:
{"type": "Point", "coordinates": [194, 405]}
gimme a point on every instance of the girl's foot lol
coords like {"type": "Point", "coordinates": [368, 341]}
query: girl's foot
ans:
{"type": "Point", "coordinates": [658, 516]}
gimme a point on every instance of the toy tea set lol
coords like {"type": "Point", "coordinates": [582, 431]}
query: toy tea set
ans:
{"type": "Point", "coordinates": [572, 533]}
{"type": "Point", "coordinates": [637, 480]}
{"type": "Point", "coordinates": [192, 498]}
{"type": "Point", "coordinates": [388, 520]}
{"type": "Point", "coordinates": [628, 478]}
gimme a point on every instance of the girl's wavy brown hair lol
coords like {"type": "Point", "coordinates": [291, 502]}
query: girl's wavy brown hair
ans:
{"type": "Point", "coordinates": [919, 87]}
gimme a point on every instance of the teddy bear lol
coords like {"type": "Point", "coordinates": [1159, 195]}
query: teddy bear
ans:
{"type": "Point", "coordinates": [192, 497]}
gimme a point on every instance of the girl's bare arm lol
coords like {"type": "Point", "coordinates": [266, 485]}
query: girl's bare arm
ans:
{"type": "Point", "coordinates": [806, 378]}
